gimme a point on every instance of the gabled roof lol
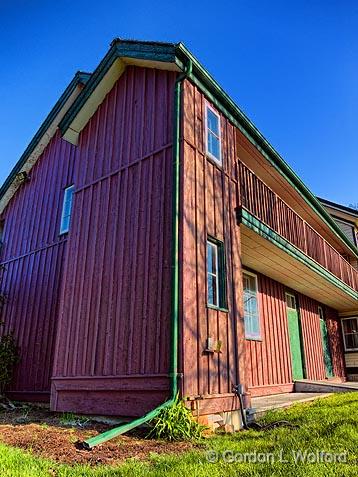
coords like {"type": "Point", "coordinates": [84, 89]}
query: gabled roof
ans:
{"type": "Point", "coordinates": [175, 56]}
{"type": "Point", "coordinates": [43, 136]}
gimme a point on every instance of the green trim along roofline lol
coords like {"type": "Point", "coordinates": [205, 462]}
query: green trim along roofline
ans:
{"type": "Point", "coordinates": [180, 55]}
{"type": "Point", "coordinates": [79, 78]}
{"type": "Point", "coordinates": [250, 221]}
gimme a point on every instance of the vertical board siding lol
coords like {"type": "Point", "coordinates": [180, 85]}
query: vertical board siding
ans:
{"type": "Point", "coordinates": [269, 359]}
{"type": "Point", "coordinates": [210, 195]}
{"type": "Point", "coordinates": [208, 208]}
{"type": "Point", "coordinates": [334, 328]}
{"type": "Point", "coordinates": [32, 257]}
{"type": "Point", "coordinates": [116, 300]}
{"type": "Point", "coordinates": [312, 339]}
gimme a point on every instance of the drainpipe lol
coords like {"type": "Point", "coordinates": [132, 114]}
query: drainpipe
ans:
{"type": "Point", "coordinates": [106, 436]}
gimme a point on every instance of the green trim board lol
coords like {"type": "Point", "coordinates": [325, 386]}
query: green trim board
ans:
{"type": "Point", "coordinates": [250, 221]}
{"type": "Point", "coordinates": [79, 78]}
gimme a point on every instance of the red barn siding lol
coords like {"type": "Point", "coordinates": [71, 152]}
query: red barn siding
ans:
{"type": "Point", "coordinates": [114, 334]}
{"type": "Point", "coordinates": [269, 360]}
{"type": "Point", "coordinates": [32, 256]}
{"type": "Point", "coordinates": [208, 208]}
{"type": "Point", "coordinates": [334, 329]}
{"type": "Point", "coordinates": [312, 338]}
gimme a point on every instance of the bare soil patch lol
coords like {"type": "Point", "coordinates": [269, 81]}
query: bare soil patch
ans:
{"type": "Point", "coordinates": [44, 434]}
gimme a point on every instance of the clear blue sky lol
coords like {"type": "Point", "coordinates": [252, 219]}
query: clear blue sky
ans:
{"type": "Point", "coordinates": [291, 66]}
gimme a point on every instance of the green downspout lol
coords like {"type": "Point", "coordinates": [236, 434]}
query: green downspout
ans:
{"type": "Point", "coordinates": [106, 436]}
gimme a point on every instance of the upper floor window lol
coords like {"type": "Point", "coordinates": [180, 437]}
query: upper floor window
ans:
{"type": "Point", "coordinates": [67, 209]}
{"type": "Point", "coordinates": [350, 333]}
{"type": "Point", "coordinates": [213, 134]}
{"type": "Point", "coordinates": [216, 280]}
{"type": "Point", "coordinates": [251, 309]}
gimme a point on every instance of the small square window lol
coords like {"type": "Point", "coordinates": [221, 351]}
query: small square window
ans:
{"type": "Point", "coordinates": [216, 276]}
{"type": "Point", "coordinates": [213, 134]}
{"type": "Point", "coordinates": [67, 210]}
{"type": "Point", "coordinates": [251, 309]}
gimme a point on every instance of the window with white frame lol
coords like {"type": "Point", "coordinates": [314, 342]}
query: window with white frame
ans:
{"type": "Point", "coordinates": [350, 333]}
{"type": "Point", "coordinates": [216, 288]}
{"type": "Point", "coordinates": [251, 309]}
{"type": "Point", "coordinates": [213, 134]}
{"type": "Point", "coordinates": [66, 209]}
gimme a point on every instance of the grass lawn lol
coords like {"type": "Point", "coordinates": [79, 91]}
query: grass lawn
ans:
{"type": "Point", "coordinates": [329, 425]}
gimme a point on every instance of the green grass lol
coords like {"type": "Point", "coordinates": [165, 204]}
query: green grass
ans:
{"type": "Point", "coordinates": [330, 425]}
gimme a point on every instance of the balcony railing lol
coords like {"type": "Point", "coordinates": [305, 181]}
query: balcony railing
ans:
{"type": "Point", "coordinates": [264, 204]}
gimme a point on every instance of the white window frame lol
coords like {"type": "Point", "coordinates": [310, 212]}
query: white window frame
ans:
{"type": "Point", "coordinates": [218, 160]}
{"type": "Point", "coordinates": [65, 229]}
{"type": "Point", "coordinates": [216, 275]}
{"type": "Point", "coordinates": [344, 336]}
{"type": "Point", "coordinates": [256, 337]}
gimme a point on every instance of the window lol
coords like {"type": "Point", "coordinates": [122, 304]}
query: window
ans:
{"type": "Point", "coordinates": [216, 281]}
{"type": "Point", "coordinates": [251, 310]}
{"type": "Point", "coordinates": [350, 333]}
{"type": "Point", "coordinates": [291, 301]}
{"type": "Point", "coordinates": [213, 136]}
{"type": "Point", "coordinates": [66, 210]}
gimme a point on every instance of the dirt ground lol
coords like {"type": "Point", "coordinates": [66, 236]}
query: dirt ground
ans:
{"type": "Point", "coordinates": [56, 437]}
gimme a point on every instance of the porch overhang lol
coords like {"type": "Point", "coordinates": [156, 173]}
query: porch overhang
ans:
{"type": "Point", "coordinates": [267, 252]}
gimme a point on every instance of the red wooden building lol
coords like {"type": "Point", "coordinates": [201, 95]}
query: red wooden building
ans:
{"type": "Point", "coordinates": [152, 238]}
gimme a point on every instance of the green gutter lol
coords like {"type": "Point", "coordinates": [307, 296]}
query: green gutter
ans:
{"type": "Point", "coordinates": [79, 78]}
{"type": "Point", "coordinates": [106, 436]}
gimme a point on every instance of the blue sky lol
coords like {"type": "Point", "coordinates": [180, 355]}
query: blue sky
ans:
{"type": "Point", "coordinates": [291, 66]}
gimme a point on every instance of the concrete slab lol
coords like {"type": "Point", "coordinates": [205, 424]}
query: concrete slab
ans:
{"type": "Point", "coordinates": [276, 401]}
{"type": "Point", "coordinates": [308, 386]}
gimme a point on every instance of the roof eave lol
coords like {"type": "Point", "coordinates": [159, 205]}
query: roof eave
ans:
{"type": "Point", "coordinates": [48, 125]}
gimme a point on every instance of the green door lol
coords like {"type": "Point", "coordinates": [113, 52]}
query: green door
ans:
{"type": "Point", "coordinates": [295, 337]}
{"type": "Point", "coordinates": [326, 349]}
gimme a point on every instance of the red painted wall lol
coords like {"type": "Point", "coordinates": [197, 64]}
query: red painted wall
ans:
{"type": "Point", "coordinates": [33, 255]}
{"type": "Point", "coordinates": [334, 329]}
{"type": "Point", "coordinates": [268, 360]}
{"type": "Point", "coordinates": [112, 353]}
{"type": "Point", "coordinates": [208, 208]}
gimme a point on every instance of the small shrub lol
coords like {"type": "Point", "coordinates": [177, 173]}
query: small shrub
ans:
{"type": "Point", "coordinates": [72, 420]}
{"type": "Point", "coordinates": [9, 356]}
{"type": "Point", "coordinates": [175, 423]}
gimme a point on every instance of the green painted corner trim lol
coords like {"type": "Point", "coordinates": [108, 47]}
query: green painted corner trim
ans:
{"type": "Point", "coordinates": [79, 78]}
{"type": "Point", "coordinates": [264, 231]}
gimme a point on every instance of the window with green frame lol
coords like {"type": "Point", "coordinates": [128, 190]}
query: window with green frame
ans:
{"type": "Point", "coordinates": [216, 274]}
{"type": "Point", "coordinates": [251, 308]}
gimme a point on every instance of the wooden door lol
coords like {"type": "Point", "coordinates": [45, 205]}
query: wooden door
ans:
{"type": "Point", "coordinates": [295, 337]}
